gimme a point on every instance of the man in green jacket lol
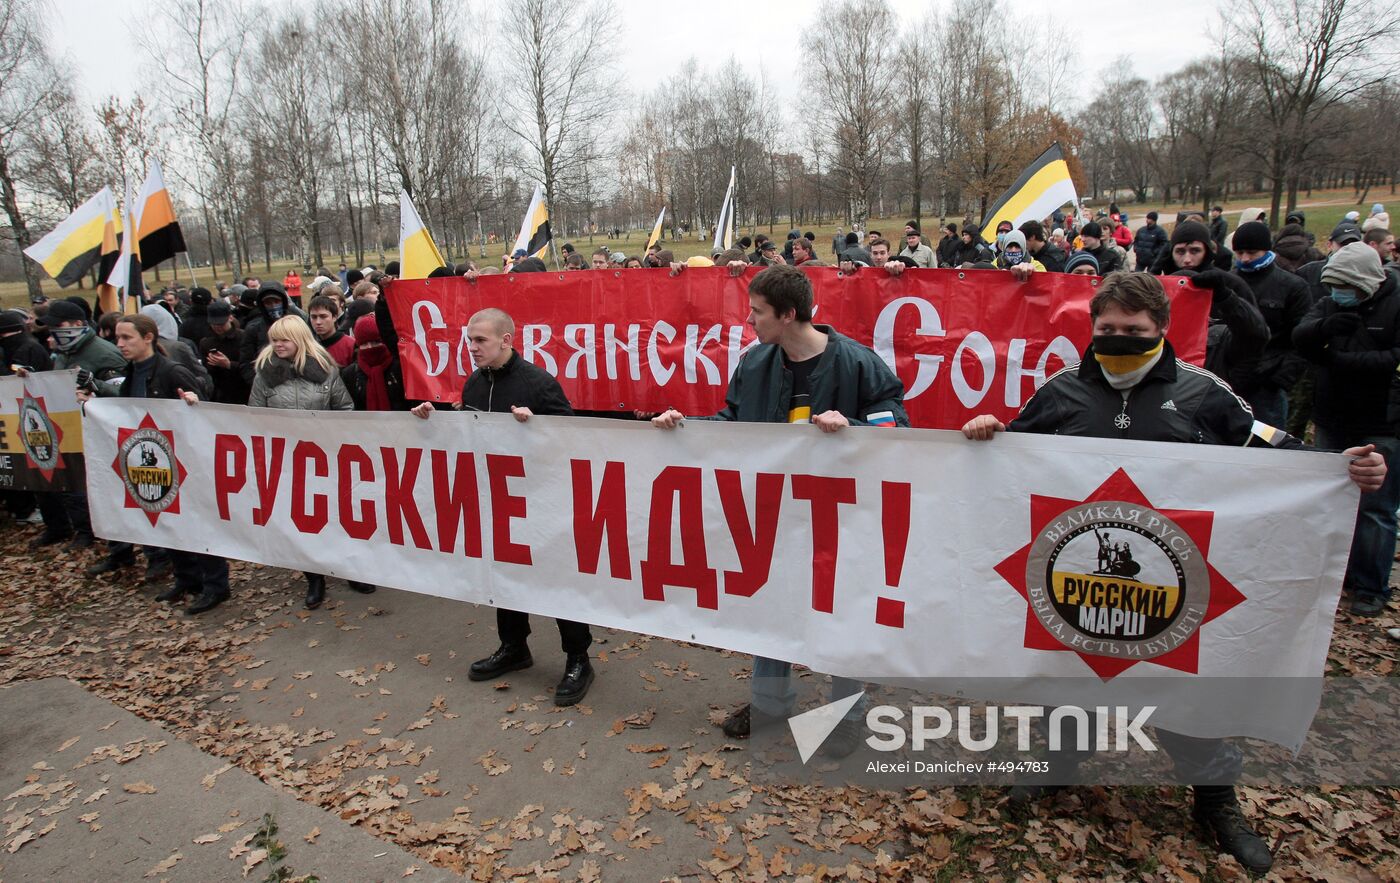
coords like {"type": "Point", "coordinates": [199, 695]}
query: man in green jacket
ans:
{"type": "Point", "coordinates": [76, 344]}
{"type": "Point", "coordinates": [799, 372]}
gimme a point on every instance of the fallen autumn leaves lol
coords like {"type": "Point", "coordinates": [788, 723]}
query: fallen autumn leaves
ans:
{"type": "Point", "coordinates": [685, 804]}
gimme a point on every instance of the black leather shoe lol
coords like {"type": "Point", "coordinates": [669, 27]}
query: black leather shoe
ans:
{"type": "Point", "coordinates": [578, 675]}
{"type": "Point", "coordinates": [110, 565]}
{"type": "Point", "coordinates": [746, 719]}
{"type": "Point", "coordinates": [83, 539]}
{"type": "Point", "coordinates": [507, 658]}
{"type": "Point", "coordinates": [1367, 605]}
{"type": "Point", "coordinates": [159, 570]}
{"type": "Point", "coordinates": [844, 739]}
{"type": "Point", "coordinates": [174, 593]}
{"type": "Point", "coordinates": [315, 590]}
{"type": "Point", "coordinates": [205, 602]}
{"type": "Point", "coordinates": [49, 538]}
{"type": "Point", "coordinates": [362, 588]}
{"type": "Point", "coordinates": [1218, 813]}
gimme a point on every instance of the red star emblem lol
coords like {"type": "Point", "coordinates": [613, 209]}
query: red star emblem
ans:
{"type": "Point", "coordinates": [152, 508]}
{"type": "Point", "coordinates": [55, 431]}
{"type": "Point", "coordinates": [1222, 595]}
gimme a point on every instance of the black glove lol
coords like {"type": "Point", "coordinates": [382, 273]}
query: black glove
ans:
{"type": "Point", "coordinates": [86, 381]}
{"type": "Point", "coordinates": [1342, 324]}
{"type": "Point", "coordinates": [1220, 283]}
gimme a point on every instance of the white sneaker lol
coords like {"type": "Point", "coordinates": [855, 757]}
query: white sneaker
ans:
{"type": "Point", "coordinates": [32, 518]}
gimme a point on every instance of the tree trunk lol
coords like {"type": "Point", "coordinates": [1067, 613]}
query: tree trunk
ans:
{"type": "Point", "coordinates": [18, 226]}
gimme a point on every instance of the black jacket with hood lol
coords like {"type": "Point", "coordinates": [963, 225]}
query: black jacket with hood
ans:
{"type": "Point", "coordinates": [1356, 362]}
{"type": "Point", "coordinates": [23, 349]}
{"type": "Point", "coordinates": [1284, 300]}
{"type": "Point", "coordinates": [255, 329]}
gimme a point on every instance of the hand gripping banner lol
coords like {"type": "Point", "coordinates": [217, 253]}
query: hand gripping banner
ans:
{"type": "Point", "coordinates": [874, 554]}
{"type": "Point", "coordinates": [964, 342]}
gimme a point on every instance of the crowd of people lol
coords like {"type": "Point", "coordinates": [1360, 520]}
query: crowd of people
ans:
{"type": "Point", "coordinates": [1301, 334]}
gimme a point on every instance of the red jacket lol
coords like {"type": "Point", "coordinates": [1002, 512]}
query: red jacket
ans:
{"type": "Point", "coordinates": [1121, 235]}
{"type": "Point", "coordinates": [341, 347]}
{"type": "Point", "coordinates": [292, 282]}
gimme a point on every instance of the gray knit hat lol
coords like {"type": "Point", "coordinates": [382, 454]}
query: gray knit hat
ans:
{"type": "Point", "coordinates": [1356, 265]}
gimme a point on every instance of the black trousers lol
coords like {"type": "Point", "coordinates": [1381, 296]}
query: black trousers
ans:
{"type": "Point", "coordinates": [199, 574]}
{"type": "Point", "coordinates": [514, 627]}
{"type": "Point", "coordinates": [126, 551]}
{"type": "Point", "coordinates": [64, 512]}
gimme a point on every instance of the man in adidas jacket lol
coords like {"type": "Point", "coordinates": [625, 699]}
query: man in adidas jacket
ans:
{"type": "Point", "coordinates": [1131, 385]}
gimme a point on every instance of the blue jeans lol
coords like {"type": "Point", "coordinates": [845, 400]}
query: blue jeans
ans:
{"type": "Point", "coordinates": [775, 695]}
{"type": "Point", "coordinates": [1373, 544]}
{"type": "Point", "coordinates": [1270, 405]}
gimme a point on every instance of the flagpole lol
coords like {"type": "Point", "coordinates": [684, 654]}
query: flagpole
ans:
{"type": "Point", "coordinates": [194, 280]}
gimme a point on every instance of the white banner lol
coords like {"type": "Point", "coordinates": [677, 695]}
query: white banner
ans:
{"type": "Point", "coordinates": [869, 553]}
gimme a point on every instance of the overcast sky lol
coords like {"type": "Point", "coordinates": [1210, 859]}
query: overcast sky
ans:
{"type": "Point", "coordinates": [96, 38]}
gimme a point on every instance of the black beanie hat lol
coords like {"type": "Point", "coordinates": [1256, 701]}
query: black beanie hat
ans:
{"type": "Point", "coordinates": [81, 304]}
{"type": "Point", "coordinates": [1253, 236]}
{"type": "Point", "coordinates": [1191, 231]}
{"type": "Point", "coordinates": [392, 268]}
{"type": "Point", "coordinates": [1091, 229]}
{"type": "Point", "coordinates": [200, 296]}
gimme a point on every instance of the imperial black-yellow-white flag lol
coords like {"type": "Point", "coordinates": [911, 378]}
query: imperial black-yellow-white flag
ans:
{"type": "Point", "coordinates": [81, 240]}
{"type": "Point", "coordinates": [158, 231]}
{"type": "Point", "coordinates": [1044, 186]}
{"type": "Point", "coordinates": [534, 230]}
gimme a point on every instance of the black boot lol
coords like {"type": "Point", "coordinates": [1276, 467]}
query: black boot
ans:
{"type": "Point", "coordinates": [315, 590]}
{"type": "Point", "coordinates": [746, 720]}
{"type": "Point", "coordinates": [159, 570]}
{"type": "Point", "coordinates": [111, 564]}
{"type": "Point", "coordinates": [507, 658]}
{"type": "Point", "coordinates": [82, 539]}
{"type": "Point", "coordinates": [49, 538]}
{"type": "Point", "coordinates": [362, 588]}
{"type": "Point", "coordinates": [1061, 771]}
{"type": "Point", "coordinates": [205, 602]}
{"type": "Point", "coordinates": [578, 674]}
{"type": "Point", "coordinates": [174, 593]}
{"type": "Point", "coordinates": [1218, 813]}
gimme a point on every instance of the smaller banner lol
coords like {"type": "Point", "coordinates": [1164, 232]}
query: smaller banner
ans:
{"type": "Point", "coordinates": [41, 433]}
{"type": "Point", "coordinates": [963, 343]}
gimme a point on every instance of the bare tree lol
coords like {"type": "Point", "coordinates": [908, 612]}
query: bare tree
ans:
{"type": "Point", "coordinates": [199, 53]}
{"type": "Point", "coordinates": [558, 85]}
{"type": "Point", "coordinates": [292, 112]}
{"type": "Point", "coordinates": [851, 58]}
{"type": "Point", "coordinates": [29, 87]}
{"type": "Point", "coordinates": [1305, 57]}
{"type": "Point", "coordinates": [916, 53]}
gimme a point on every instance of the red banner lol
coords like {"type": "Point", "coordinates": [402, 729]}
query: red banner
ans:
{"type": "Point", "coordinates": [964, 342]}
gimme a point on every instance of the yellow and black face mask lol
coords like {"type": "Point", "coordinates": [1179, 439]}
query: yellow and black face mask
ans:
{"type": "Point", "coordinates": [1121, 354]}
